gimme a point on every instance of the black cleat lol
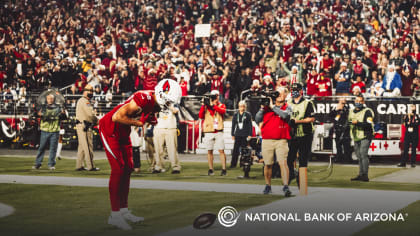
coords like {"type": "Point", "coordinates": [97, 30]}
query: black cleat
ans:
{"type": "Point", "coordinates": [175, 172]}
{"type": "Point", "coordinates": [211, 172]}
{"type": "Point", "coordinates": [401, 165]}
{"type": "Point", "coordinates": [81, 169]}
{"type": "Point", "coordinates": [94, 169]}
{"type": "Point", "coordinates": [223, 173]}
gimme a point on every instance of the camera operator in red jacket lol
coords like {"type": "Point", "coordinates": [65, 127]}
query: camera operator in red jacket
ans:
{"type": "Point", "coordinates": [275, 132]}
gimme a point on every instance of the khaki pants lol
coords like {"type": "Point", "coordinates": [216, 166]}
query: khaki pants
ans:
{"type": "Point", "coordinates": [85, 149]}
{"type": "Point", "coordinates": [168, 137]}
{"type": "Point", "coordinates": [150, 149]}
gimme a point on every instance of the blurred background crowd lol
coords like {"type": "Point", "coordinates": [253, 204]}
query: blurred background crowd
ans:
{"type": "Point", "coordinates": [334, 47]}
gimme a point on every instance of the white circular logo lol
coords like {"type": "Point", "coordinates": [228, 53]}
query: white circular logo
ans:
{"type": "Point", "coordinates": [228, 216]}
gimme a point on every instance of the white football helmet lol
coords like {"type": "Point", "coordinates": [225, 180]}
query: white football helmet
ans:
{"type": "Point", "coordinates": [168, 91]}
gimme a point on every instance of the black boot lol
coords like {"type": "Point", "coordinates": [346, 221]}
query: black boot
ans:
{"type": "Point", "coordinates": [357, 178]}
{"type": "Point", "coordinates": [364, 178]}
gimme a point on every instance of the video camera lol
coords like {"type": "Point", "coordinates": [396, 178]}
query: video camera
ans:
{"type": "Point", "coordinates": [263, 97]}
{"type": "Point", "coordinates": [209, 97]}
{"type": "Point", "coordinates": [246, 160]}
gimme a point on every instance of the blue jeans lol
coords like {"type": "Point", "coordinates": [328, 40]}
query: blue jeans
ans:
{"type": "Point", "coordinates": [52, 139]}
{"type": "Point", "coordinates": [361, 148]}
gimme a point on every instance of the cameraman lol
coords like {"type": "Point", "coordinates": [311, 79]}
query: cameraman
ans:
{"type": "Point", "coordinates": [241, 130]}
{"type": "Point", "coordinates": [302, 124]}
{"type": "Point", "coordinates": [50, 114]}
{"type": "Point", "coordinates": [275, 132]}
{"type": "Point", "coordinates": [342, 131]}
{"type": "Point", "coordinates": [212, 112]}
{"type": "Point", "coordinates": [86, 119]}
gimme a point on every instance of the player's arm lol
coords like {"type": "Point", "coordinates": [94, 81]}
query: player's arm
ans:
{"type": "Point", "coordinates": [125, 114]}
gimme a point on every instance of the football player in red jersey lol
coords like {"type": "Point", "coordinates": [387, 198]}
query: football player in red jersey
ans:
{"type": "Point", "coordinates": [115, 128]}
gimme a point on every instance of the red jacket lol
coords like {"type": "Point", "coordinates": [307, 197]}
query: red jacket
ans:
{"type": "Point", "coordinates": [220, 108]}
{"type": "Point", "coordinates": [274, 127]}
{"type": "Point", "coordinates": [361, 85]}
{"type": "Point", "coordinates": [323, 87]}
{"type": "Point", "coordinates": [311, 89]}
{"type": "Point", "coordinates": [184, 88]}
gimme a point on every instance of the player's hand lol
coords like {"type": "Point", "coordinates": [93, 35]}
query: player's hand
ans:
{"type": "Point", "coordinates": [354, 122]}
{"type": "Point", "coordinates": [144, 118]}
{"type": "Point", "coordinates": [271, 103]}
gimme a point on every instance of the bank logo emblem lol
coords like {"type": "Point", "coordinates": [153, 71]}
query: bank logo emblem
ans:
{"type": "Point", "coordinates": [228, 216]}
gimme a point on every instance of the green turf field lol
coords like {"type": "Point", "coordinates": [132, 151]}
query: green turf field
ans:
{"type": "Point", "coordinates": [197, 172]}
{"type": "Point", "coordinates": [62, 210]}
{"type": "Point", "coordinates": [408, 227]}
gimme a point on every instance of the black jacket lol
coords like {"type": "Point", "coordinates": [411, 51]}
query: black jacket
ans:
{"type": "Point", "coordinates": [246, 130]}
{"type": "Point", "coordinates": [341, 125]}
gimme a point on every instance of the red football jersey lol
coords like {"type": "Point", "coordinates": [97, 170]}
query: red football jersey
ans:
{"type": "Point", "coordinates": [143, 99]}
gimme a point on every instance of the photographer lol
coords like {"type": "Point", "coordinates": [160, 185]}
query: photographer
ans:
{"type": "Point", "coordinates": [301, 122]}
{"type": "Point", "coordinates": [275, 132]}
{"type": "Point", "coordinates": [241, 131]}
{"type": "Point", "coordinates": [342, 131]}
{"type": "Point", "coordinates": [86, 119]}
{"type": "Point", "coordinates": [411, 123]}
{"type": "Point", "coordinates": [50, 114]}
{"type": "Point", "coordinates": [212, 112]}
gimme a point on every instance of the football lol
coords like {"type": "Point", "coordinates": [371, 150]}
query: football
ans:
{"type": "Point", "coordinates": [204, 220]}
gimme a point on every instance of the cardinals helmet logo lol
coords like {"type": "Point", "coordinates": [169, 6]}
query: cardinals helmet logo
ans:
{"type": "Point", "coordinates": [166, 87]}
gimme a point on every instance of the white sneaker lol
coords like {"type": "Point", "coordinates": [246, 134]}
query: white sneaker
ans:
{"type": "Point", "coordinates": [132, 218]}
{"type": "Point", "coordinates": [52, 168]}
{"type": "Point", "coordinates": [119, 222]}
{"type": "Point", "coordinates": [163, 170]}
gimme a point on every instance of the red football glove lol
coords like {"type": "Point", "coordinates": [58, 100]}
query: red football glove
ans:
{"type": "Point", "coordinates": [152, 119]}
{"type": "Point", "coordinates": [144, 118]}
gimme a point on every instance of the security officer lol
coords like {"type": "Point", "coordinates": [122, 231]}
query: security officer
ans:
{"type": "Point", "coordinates": [361, 131]}
{"type": "Point", "coordinates": [411, 123]}
{"type": "Point", "coordinates": [342, 131]}
{"type": "Point", "coordinates": [86, 119]}
{"type": "Point", "coordinates": [302, 126]}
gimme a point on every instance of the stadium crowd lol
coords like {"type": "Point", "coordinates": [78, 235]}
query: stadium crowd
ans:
{"type": "Point", "coordinates": [338, 47]}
